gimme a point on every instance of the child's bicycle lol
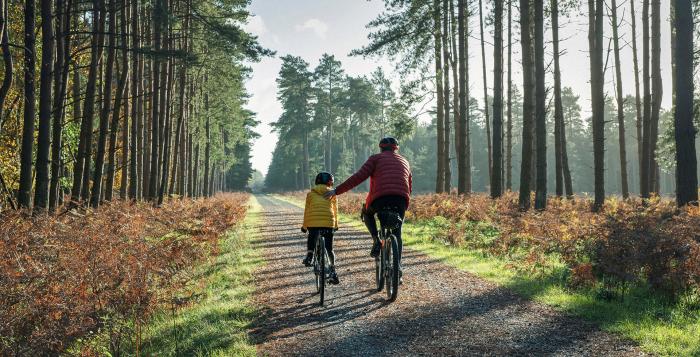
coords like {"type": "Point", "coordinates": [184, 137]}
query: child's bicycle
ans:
{"type": "Point", "coordinates": [386, 265]}
{"type": "Point", "coordinates": [320, 264]}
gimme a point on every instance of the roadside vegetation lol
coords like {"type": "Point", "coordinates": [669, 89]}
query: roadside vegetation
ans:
{"type": "Point", "coordinates": [631, 268]}
{"type": "Point", "coordinates": [90, 283]}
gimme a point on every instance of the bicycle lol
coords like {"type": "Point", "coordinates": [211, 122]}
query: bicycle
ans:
{"type": "Point", "coordinates": [321, 264]}
{"type": "Point", "coordinates": [386, 265]}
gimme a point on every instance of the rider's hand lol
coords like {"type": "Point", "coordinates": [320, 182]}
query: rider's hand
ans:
{"type": "Point", "coordinates": [328, 195]}
{"type": "Point", "coordinates": [303, 230]}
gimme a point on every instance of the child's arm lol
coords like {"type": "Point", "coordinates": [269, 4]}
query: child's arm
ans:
{"type": "Point", "coordinates": [306, 210]}
{"type": "Point", "coordinates": [334, 207]}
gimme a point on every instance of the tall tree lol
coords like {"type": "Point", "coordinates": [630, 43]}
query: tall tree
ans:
{"type": "Point", "coordinates": [657, 93]}
{"type": "Point", "coordinates": [487, 118]}
{"type": "Point", "coordinates": [528, 103]}
{"type": "Point", "coordinates": [96, 195]}
{"type": "Point", "coordinates": [509, 104]}
{"type": "Point", "coordinates": [157, 19]}
{"type": "Point", "coordinates": [441, 169]}
{"type": "Point", "coordinates": [496, 178]}
{"type": "Point", "coordinates": [25, 174]}
{"type": "Point", "coordinates": [540, 109]}
{"type": "Point", "coordinates": [595, 42]}
{"type": "Point", "coordinates": [562, 171]}
{"type": "Point", "coordinates": [446, 90]}
{"type": "Point", "coordinates": [637, 96]}
{"type": "Point", "coordinates": [686, 160]}
{"type": "Point", "coordinates": [6, 56]}
{"type": "Point", "coordinates": [645, 177]}
{"type": "Point", "coordinates": [620, 101]}
{"type": "Point", "coordinates": [41, 189]}
{"type": "Point", "coordinates": [464, 185]}
{"type": "Point", "coordinates": [135, 143]}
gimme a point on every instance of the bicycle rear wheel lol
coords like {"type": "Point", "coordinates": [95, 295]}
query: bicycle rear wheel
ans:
{"type": "Point", "coordinates": [321, 276]}
{"type": "Point", "coordinates": [392, 271]}
{"type": "Point", "coordinates": [379, 272]}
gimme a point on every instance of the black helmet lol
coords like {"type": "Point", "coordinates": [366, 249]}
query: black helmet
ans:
{"type": "Point", "coordinates": [323, 178]}
{"type": "Point", "coordinates": [388, 143]}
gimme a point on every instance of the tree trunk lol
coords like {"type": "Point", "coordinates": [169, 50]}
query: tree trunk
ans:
{"type": "Point", "coordinates": [528, 101]}
{"type": "Point", "coordinates": [487, 118]}
{"type": "Point", "coordinates": [464, 185]}
{"type": "Point", "coordinates": [620, 103]}
{"type": "Point", "coordinates": [81, 169]}
{"type": "Point", "coordinates": [207, 148]}
{"type": "Point", "coordinates": [637, 96]}
{"type": "Point", "coordinates": [158, 13]}
{"type": "Point", "coordinates": [455, 94]}
{"type": "Point", "coordinates": [61, 66]}
{"type": "Point", "coordinates": [96, 195]}
{"type": "Point", "coordinates": [41, 189]}
{"type": "Point", "coordinates": [509, 130]}
{"type": "Point", "coordinates": [6, 56]}
{"type": "Point", "coordinates": [657, 92]}
{"type": "Point", "coordinates": [446, 96]}
{"type": "Point", "coordinates": [25, 178]}
{"type": "Point", "coordinates": [686, 160]}
{"type": "Point", "coordinates": [440, 181]}
{"type": "Point", "coordinates": [121, 91]}
{"type": "Point", "coordinates": [496, 178]}
{"type": "Point", "coordinates": [540, 109]}
{"type": "Point", "coordinates": [645, 182]}
{"type": "Point", "coordinates": [595, 40]}
{"type": "Point", "coordinates": [563, 175]}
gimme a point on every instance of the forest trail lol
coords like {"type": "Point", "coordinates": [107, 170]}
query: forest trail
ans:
{"type": "Point", "coordinates": [439, 311]}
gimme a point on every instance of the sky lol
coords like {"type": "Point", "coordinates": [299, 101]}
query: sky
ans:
{"type": "Point", "coordinates": [309, 28]}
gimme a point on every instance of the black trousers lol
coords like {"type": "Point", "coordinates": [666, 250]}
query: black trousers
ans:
{"type": "Point", "coordinates": [377, 205]}
{"type": "Point", "coordinates": [314, 232]}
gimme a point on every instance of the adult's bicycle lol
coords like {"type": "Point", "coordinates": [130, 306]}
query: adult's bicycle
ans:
{"type": "Point", "coordinates": [386, 265]}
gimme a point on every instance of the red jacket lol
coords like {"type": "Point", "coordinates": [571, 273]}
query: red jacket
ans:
{"type": "Point", "coordinates": [389, 173]}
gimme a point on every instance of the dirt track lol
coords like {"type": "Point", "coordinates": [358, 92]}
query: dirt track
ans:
{"type": "Point", "coordinates": [439, 311]}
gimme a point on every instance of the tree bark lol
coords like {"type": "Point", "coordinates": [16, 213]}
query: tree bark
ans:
{"type": "Point", "coordinates": [207, 147]}
{"type": "Point", "coordinates": [637, 96]}
{"type": "Point", "coordinates": [158, 13]}
{"type": "Point", "coordinates": [528, 101]}
{"type": "Point", "coordinates": [540, 109]}
{"type": "Point", "coordinates": [487, 118]}
{"type": "Point", "coordinates": [496, 178]}
{"type": "Point", "coordinates": [6, 56]}
{"type": "Point", "coordinates": [464, 185]}
{"type": "Point", "coordinates": [509, 130]}
{"type": "Point", "coordinates": [620, 102]}
{"type": "Point", "coordinates": [25, 178]}
{"type": "Point", "coordinates": [41, 189]}
{"type": "Point", "coordinates": [446, 96]}
{"type": "Point", "coordinates": [96, 195]}
{"type": "Point", "coordinates": [440, 181]}
{"type": "Point", "coordinates": [686, 160]}
{"type": "Point", "coordinates": [595, 40]}
{"type": "Point", "coordinates": [454, 61]}
{"type": "Point", "coordinates": [657, 93]}
{"type": "Point", "coordinates": [645, 179]}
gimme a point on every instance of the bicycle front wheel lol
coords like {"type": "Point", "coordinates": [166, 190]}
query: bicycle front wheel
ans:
{"type": "Point", "coordinates": [392, 271]}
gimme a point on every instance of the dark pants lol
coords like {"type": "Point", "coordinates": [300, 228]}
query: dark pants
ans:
{"type": "Point", "coordinates": [368, 213]}
{"type": "Point", "coordinates": [328, 235]}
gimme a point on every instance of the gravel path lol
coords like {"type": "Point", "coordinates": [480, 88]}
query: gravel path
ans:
{"type": "Point", "coordinates": [439, 311]}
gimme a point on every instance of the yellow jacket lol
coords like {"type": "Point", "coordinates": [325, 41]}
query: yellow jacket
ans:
{"type": "Point", "coordinates": [320, 212]}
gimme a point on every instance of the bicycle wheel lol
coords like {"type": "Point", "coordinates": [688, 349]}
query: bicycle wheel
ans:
{"type": "Point", "coordinates": [322, 268]}
{"type": "Point", "coordinates": [392, 278]}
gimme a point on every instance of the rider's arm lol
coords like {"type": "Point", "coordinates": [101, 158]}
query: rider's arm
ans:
{"type": "Point", "coordinates": [307, 209]}
{"type": "Point", "coordinates": [360, 176]}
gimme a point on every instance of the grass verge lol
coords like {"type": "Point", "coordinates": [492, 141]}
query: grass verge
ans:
{"type": "Point", "coordinates": [658, 325]}
{"type": "Point", "coordinates": [217, 323]}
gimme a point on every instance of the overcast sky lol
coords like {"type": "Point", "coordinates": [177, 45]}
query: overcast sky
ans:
{"type": "Point", "coordinates": [309, 28]}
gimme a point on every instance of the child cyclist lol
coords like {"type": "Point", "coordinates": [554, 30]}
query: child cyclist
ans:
{"type": "Point", "coordinates": [321, 215]}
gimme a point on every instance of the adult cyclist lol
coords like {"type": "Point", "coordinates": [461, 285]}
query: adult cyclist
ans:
{"type": "Point", "coordinates": [390, 186]}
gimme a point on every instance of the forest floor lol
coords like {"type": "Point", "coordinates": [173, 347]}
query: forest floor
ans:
{"type": "Point", "coordinates": [440, 310]}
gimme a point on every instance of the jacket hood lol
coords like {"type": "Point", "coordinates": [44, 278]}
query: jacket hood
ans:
{"type": "Point", "coordinates": [321, 189]}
